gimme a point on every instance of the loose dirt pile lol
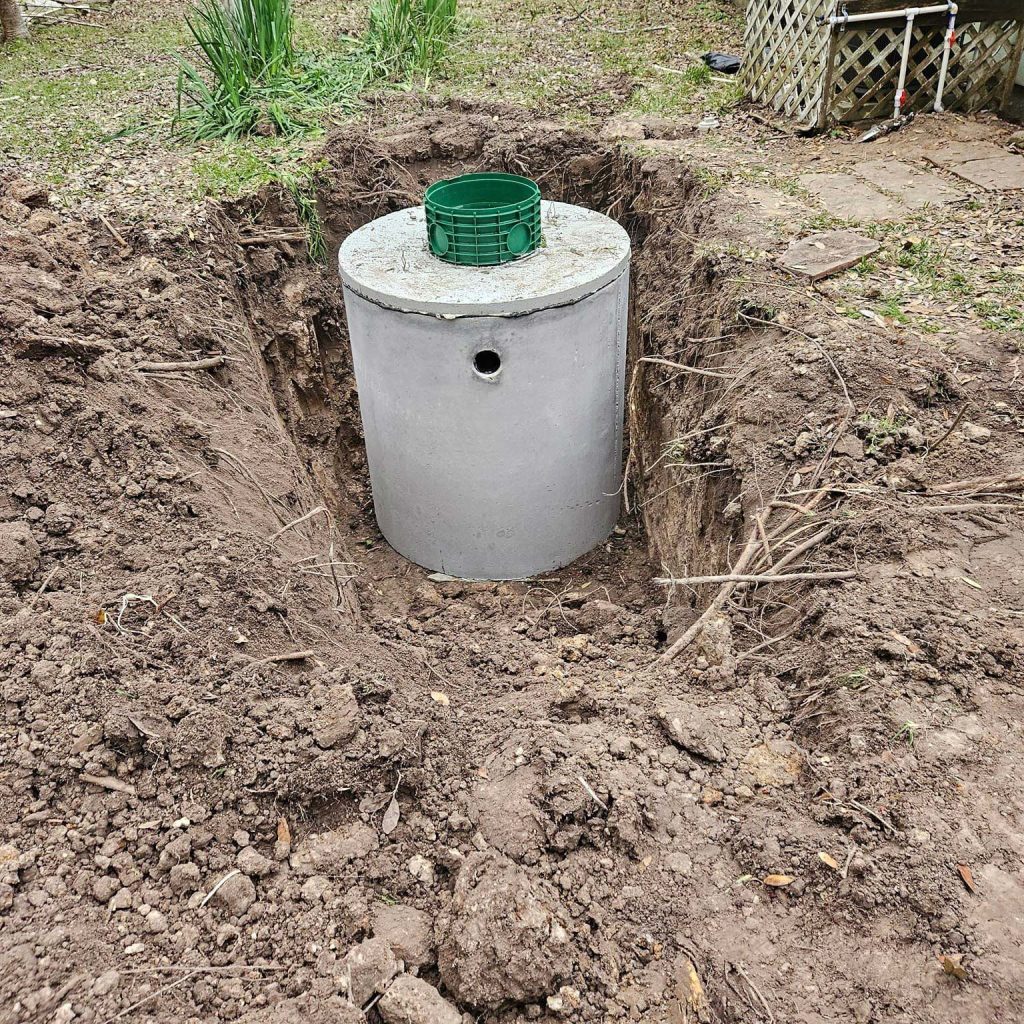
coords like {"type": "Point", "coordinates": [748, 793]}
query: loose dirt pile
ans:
{"type": "Point", "coordinates": [260, 768]}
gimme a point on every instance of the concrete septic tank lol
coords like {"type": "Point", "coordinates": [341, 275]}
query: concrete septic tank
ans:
{"type": "Point", "coordinates": [491, 397]}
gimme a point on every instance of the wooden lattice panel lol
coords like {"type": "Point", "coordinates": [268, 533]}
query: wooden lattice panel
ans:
{"type": "Point", "coordinates": [787, 55]}
{"type": "Point", "coordinates": [816, 74]}
{"type": "Point", "coordinates": [866, 62]}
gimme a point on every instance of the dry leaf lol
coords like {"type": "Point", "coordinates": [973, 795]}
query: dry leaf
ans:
{"type": "Point", "coordinates": [100, 617]}
{"type": "Point", "coordinates": [284, 833]}
{"type": "Point", "coordinates": [391, 816]}
{"type": "Point", "coordinates": [695, 990]}
{"type": "Point", "coordinates": [972, 583]}
{"type": "Point", "coordinates": [829, 860]}
{"type": "Point", "coordinates": [952, 966]}
{"type": "Point", "coordinates": [777, 880]}
{"type": "Point", "coordinates": [967, 875]}
{"type": "Point", "coordinates": [441, 698]}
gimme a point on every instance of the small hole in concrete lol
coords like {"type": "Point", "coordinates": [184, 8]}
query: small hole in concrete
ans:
{"type": "Point", "coordinates": [487, 363]}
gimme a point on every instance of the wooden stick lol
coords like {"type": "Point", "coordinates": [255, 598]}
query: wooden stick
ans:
{"type": "Point", "coordinates": [1013, 482]}
{"type": "Point", "coordinates": [756, 578]}
{"type": "Point", "coordinates": [108, 782]}
{"type": "Point", "coordinates": [297, 522]}
{"type": "Point", "coordinates": [753, 542]}
{"type": "Point", "coordinates": [275, 659]}
{"type": "Point", "coordinates": [684, 368]}
{"type": "Point", "coordinates": [117, 236]}
{"type": "Point", "coordinates": [210, 363]}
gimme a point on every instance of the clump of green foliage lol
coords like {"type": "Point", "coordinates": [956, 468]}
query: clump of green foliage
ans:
{"type": "Point", "coordinates": [249, 75]}
{"type": "Point", "coordinates": [302, 188]}
{"type": "Point", "coordinates": [408, 37]}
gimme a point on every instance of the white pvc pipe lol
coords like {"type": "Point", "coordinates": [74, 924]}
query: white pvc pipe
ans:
{"type": "Point", "coordinates": [946, 49]}
{"type": "Point", "coordinates": [910, 13]}
{"type": "Point", "coordinates": [901, 89]}
{"type": "Point", "coordinates": [905, 12]}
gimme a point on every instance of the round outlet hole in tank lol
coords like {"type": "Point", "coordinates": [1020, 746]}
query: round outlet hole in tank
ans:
{"type": "Point", "coordinates": [487, 362]}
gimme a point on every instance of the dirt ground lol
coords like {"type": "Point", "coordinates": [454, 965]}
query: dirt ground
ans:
{"type": "Point", "coordinates": [258, 767]}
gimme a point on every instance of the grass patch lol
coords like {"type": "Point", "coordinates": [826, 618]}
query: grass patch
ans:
{"type": "Point", "coordinates": [408, 38]}
{"type": "Point", "coordinates": [881, 434]}
{"type": "Point", "coordinates": [250, 75]}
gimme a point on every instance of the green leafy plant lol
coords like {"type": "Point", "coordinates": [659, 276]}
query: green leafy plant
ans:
{"type": "Point", "coordinates": [302, 188]}
{"type": "Point", "coordinates": [856, 679]}
{"type": "Point", "coordinates": [250, 74]}
{"type": "Point", "coordinates": [908, 733]}
{"type": "Point", "coordinates": [408, 37]}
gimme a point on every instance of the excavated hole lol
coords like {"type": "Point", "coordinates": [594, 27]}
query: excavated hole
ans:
{"type": "Point", "coordinates": [298, 316]}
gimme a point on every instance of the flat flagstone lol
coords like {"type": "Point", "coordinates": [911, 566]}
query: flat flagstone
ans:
{"type": "Point", "coordinates": [915, 186]}
{"type": "Point", "coordinates": [999, 174]}
{"type": "Point", "coordinates": [851, 198]}
{"type": "Point", "coordinates": [826, 253]}
{"type": "Point", "coordinates": [953, 152]}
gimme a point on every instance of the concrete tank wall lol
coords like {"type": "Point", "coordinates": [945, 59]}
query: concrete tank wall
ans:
{"type": "Point", "coordinates": [495, 472]}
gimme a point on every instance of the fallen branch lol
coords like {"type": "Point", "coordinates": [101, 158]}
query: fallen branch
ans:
{"type": "Point", "coordinates": [657, 360]}
{"type": "Point", "coordinates": [213, 892]}
{"type": "Point", "coordinates": [108, 782]}
{"type": "Point", "coordinates": [756, 578]}
{"type": "Point", "coordinates": [210, 363]}
{"type": "Point", "coordinates": [1013, 482]}
{"type": "Point", "coordinates": [298, 522]}
{"type": "Point", "coordinates": [276, 659]}
{"type": "Point", "coordinates": [114, 233]}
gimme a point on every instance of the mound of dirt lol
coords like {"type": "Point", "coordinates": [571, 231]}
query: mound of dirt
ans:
{"type": "Point", "coordinates": [246, 745]}
{"type": "Point", "coordinates": [506, 938]}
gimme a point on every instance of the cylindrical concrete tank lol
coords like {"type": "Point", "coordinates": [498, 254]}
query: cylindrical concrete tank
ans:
{"type": "Point", "coordinates": [492, 398]}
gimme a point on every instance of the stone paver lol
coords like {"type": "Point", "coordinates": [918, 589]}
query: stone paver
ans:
{"type": "Point", "coordinates": [915, 186]}
{"type": "Point", "coordinates": [826, 253]}
{"type": "Point", "coordinates": [851, 198]}
{"type": "Point", "coordinates": [998, 174]}
{"type": "Point", "coordinates": [953, 152]}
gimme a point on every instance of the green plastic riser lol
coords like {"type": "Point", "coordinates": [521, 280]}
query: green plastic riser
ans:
{"type": "Point", "coordinates": [480, 220]}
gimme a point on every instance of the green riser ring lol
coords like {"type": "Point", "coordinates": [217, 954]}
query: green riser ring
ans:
{"type": "Point", "coordinates": [491, 235]}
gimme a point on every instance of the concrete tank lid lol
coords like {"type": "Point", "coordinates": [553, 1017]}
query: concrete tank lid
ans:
{"type": "Point", "coordinates": [388, 262]}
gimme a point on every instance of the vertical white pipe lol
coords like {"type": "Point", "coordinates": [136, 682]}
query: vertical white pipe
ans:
{"type": "Point", "coordinates": [946, 50]}
{"type": "Point", "coordinates": [907, 38]}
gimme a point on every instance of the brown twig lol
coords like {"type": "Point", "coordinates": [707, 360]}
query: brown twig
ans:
{"type": "Point", "coordinates": [275, 659]}
{"type": "Point", "coordinates": [298, 522]}
{"type": "Point", "coordinates": [209, 363]}
{"type": "Point", "coordinates": [956, 422]}
{"type": "Point", "coordinates": [108, 782]}
{"type": "Point", "coordinates": [117, 236]}
{"type": "Point", "coordinates": [756, 578]}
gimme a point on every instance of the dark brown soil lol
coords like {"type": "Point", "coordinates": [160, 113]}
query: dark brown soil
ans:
{"type": "Point", "coordinates": [217, 677]}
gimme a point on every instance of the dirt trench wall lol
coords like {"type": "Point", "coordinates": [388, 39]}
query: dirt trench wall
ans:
{"type": "Point", "coordinates": [298, 313]}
